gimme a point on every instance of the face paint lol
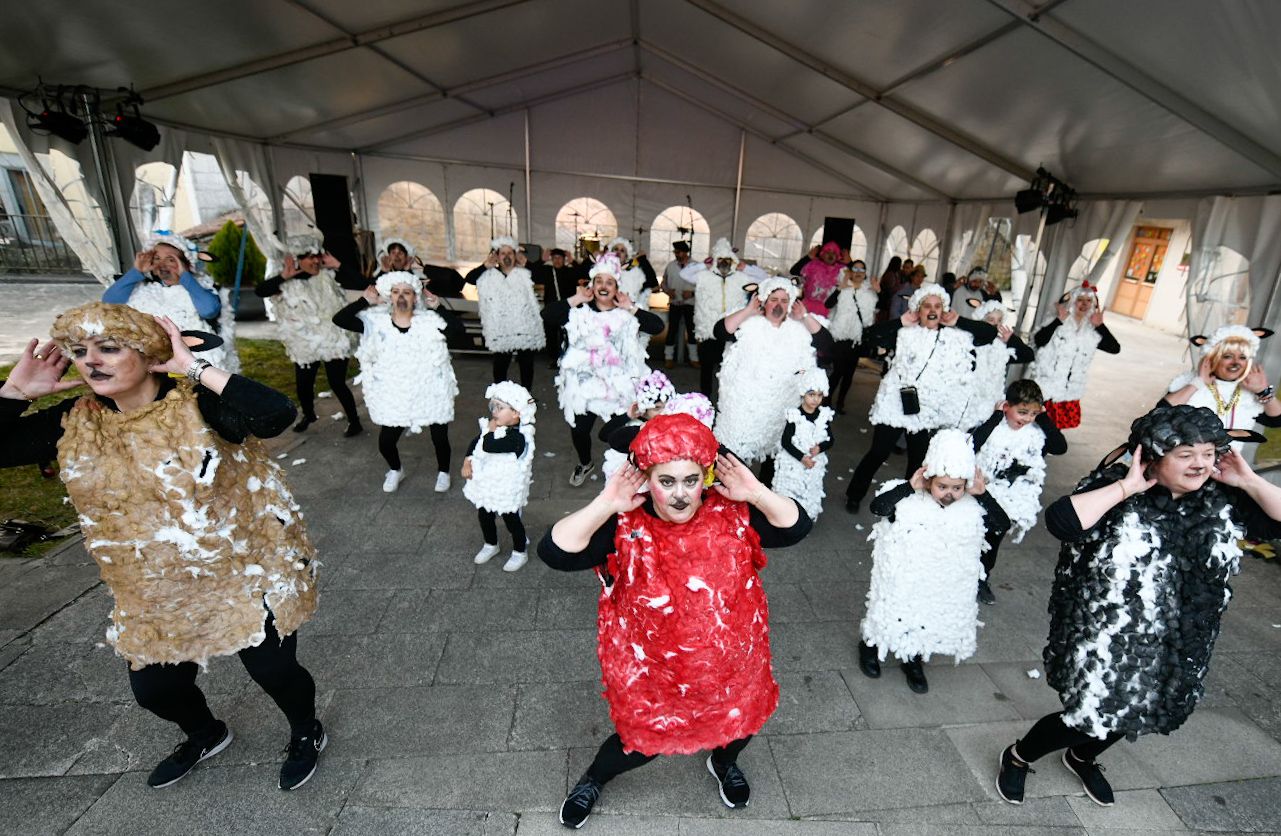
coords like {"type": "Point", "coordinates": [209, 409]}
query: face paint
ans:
{"type": "Point", "coordinates": [946, 490]}
{"type": "Point", "coordinates": [677, 489]}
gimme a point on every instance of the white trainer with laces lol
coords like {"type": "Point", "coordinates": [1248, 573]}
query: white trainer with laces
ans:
{"type": "Point", "coordinates": [517, 560]}
{"type": "Point", "coordinates": [442, 482]}
{"type": "Point", "coordinates": [392, 480]}
{"type": "Point", "coordinates": [486, 552]}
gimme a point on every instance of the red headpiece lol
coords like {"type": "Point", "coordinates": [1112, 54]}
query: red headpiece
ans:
{"type": "Point", "coordinates": [669, 438]}
{"type": "Point", "coordinates": [832, 247]}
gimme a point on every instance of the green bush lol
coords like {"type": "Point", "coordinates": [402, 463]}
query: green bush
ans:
{"type": "Point", "coordinates": [225, 247]}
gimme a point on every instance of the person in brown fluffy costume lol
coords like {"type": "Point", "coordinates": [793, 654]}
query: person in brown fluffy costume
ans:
{"type": "Point", "coordinates": [192, 525]}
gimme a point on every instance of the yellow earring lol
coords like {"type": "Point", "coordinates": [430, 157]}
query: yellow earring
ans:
{"type": "Point", "coordinates": [710, 477]}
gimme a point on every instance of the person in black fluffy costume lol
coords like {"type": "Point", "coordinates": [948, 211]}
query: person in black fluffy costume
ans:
{"type": "Point", "coordinates": [1140, 589]}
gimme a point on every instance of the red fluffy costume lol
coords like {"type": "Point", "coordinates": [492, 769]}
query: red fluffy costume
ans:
{"type": "Point", "coordinates": [684, 628]}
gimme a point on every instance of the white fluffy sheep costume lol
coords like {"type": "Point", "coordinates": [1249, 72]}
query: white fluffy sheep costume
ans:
{"type": "Point", "coordinates": [509, 316]}
{"type": "Point", "coordinates": [938, 362]}
{"type": "Point", "coordinates": [603, 357]}
{"type": "Point", "coordinates": [1137, 601]}
{"type": "Point", "coordinates": [791, 477]}
{"type": "Point", "coordinates": [926, 565]}
{"type": "Point", "coordinates": [305, 310]}
{"type": "Point", "coordinates": [196, 537]}
{"type": "Point", "coordinates": [715, 296]}
{"type": "Point", "coordinates": [1062, 365]}
{"type": "Point", "coordinates": [1236, 408]}
{"type": "Point", "coordinates": [1013, 463]}
{"type": "Point", "coordinates": [631, 278]}
{"type": "Point", "coordinates": [406, 377]}
{"type": "Point", "coordinates": [757, 379]}
{"type": "Point", "coordinates": [855, 310]}
{"type": "Point", "coordinates": [987, 383]}
{"type": "Point", "coordinates": [500, 481]}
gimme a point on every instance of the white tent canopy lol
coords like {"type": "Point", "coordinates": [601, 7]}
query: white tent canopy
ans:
{"type": "Point", "coordinates": [901, 113]}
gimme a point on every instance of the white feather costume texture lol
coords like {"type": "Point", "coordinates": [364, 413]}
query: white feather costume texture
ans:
{"type": "Point", "coordinates": [855, 309]}
{"type": "Point", "coordinates": [632, 282]}
{"type": "Point", "coordinates": [407, 378]}
{"type": "Point", "coordinates": [500, 481]}
{"type": "Point", "coordinates": [305, 310]}
{"type": "Point", "coordinates": [987, 384]}
{"type": "Point", "coordinates": [1062, 364]}
{"type": "Point", "coordinates": [716, 297]}
{"type": "Point", "coordinates": [942, 387]}
{"type": "Point", "coordinates": [1013, 463]}
{"type": "Point", "coordinates": [925, 568]}
{"type": "Point", "coordinates": [757, 385]}
{"type": "Point", "coordinates": [601, 363]}
{"type": "Point", "coordinates": [509, 317]}
{"type": "Point", "coordinates": [175, 302]}
{"type": "Point", "coordinates": [792, 478]}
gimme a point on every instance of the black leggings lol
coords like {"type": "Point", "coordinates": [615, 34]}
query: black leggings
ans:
{"type": "Point", "coordinates": [845, 362]}
{"type": "Point", "coordinates": [1051, 734]}
{"type": "Point", "coordinates": [489, 528]}
{"type": "Point", "coordinates": [389, 438]}
{"type": "Point", "coordinates": [611, 761]}
{"type": "Point", "coordinates": [524, 360]}
{"type": "Point", "coordinates": [336, 374]}
{"type": "Point", "coordinates": [994, 539]}
{"type": "Point", "coordinates": [710, 353]}
{"type": "Point", "coordinates": [883, 439]}
{"type": "Point", "coordinates": [581, 434]}
{"type": "Point", "coordinates": [170, 691]}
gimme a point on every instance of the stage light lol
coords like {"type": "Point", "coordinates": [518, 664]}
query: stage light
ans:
{"type": "Point", "coordinates": [59, 123]}
{"type": "Point", "coordinates": [1059, 212]}
{"type": "Point", "coordinates": [135, 130]}
{"type": "Point", "coordinates": [1028, 200]}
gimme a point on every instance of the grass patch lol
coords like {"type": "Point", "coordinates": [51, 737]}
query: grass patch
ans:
{"type": "Point", "coordinates": [1270, 450]}
{"type": "Point", "coordinates": [27, 495]}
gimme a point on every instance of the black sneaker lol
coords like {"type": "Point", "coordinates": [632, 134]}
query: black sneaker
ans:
{"type": "Point", "coordinates": [985, 595]}
{"type": "Point", "coordinates": [580, 801]}
{"type": "Point", "coordinates": [851, 505]}
{"type": "Point", "coordinates": [581, 472]}
{"type": "Point", "coordinates": [867, 661]}
{"type": "Point", "coordinates": [1011, 777]}
{"type": "Point", "coordinates": [915, 674]}
{"type": "Point", "coordinates": [733, 783]}
{"type": "Point", "coordinates": [353, 429]}
{"type": "Point", "coordinates": [304, 422]}
{"type": "Point", "coordinates": [303, 752]}
{"type": "Point", "coordinates": [1092, 780]}
{"type": "Point", "coordinates": [189, 753]}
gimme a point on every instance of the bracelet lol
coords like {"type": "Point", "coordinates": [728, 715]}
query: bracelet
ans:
{"type": "Point", "coordinates": [1265, 394]}
{"type": "Point", "coordinates": [1124, 493]}
{"type": "Point", "coordinates": [197, 367]}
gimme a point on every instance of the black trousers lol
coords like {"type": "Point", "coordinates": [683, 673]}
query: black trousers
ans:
{"type": "Point", "coordinates": [524, 360]}
{"type": "Point", "coordinates": [1051, 734]}
{"type": "Point", "coordinates": [710, 353]}
{"type": "Point", "coordinates": [581, 435]}
{"type": "Point", "coordinates": [677, 316]}
{"type": "Point", "coordinates": [845, 361]}
{"type": "Point", "coordinates": [336, 374]}
{"type": "Point", "coordinates": [555, 335]}
{"type": "Point", "coordinates": [170, 691]}
{"type": "Point", "coordinates": [883, 440]}
{"type": "Point", "coordinates": [389, 445]}
{"type": "Point", "coordinates": [611, 761]}
{"type": "Point", "coordinates": [515, 527]}
{"type": "Point", "coordinates": [994, 538]}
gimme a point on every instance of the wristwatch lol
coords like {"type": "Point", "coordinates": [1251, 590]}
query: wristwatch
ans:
{"type": "Point", "coordinates": [197, 367]}
{"type": "Point", "coordinates": [1265, 394]}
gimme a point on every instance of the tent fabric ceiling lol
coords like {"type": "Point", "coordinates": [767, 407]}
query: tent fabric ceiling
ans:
{"type": "Point", "coordinates": [898, 100]}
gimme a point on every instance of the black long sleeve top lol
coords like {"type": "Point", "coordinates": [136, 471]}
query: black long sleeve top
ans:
{"type": "Point", "coordinates": [244, 408]}
{"type": "Point", "coordinates": [1055, 442]}
{"type": "Point", "coordinates": [1107, 342]}
{"type": "Point", "coordinates": [1062, 522]}
{"type": "Point", "coordinates": [513, 441]}
{"type": "Point", "coordinates": [821, 340]}
{"type": "Point", "coordinates": [789, 433]}
{"type": "Point", "coordinates": [557, 314]}
{"type": "Point", "coordinates": [1023, 353]}
{"type": "Point", "coordinates": [601, 544]}
{"type": "Point", "coordinates": [994, 517]}
{"type": "Point", "coordinates": [347, 319]}
{"type": "Point", "coordinates": [558, 283]}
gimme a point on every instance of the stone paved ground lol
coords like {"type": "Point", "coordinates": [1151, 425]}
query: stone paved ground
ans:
{"type": "Point", "coordinates": [461, 700]}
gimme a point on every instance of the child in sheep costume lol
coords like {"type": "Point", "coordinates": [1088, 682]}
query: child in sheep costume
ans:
{"type": "Point", "coordinates": [991, 364]}
{"type": "Point", "coordinates": [1228, 380]}
{"type": "Point", "coordinates": [801, 466]}
{"type": "Point", "coordinates": [193, 527]}
{"type": "Point", "coordinates": [1011, 446]}
{"type": "Point", "coordinates": [1065, 348]}
{"type": "Point", "coordinates": [406, 372]}
{"type": "Point", "coordinates": [933, 350]}
{"type": "Point", "coordinates": [652, 393]}
{"type": "Point", "coordinates": [509, 317]}
{"type": "Point", "coordinates": [757, 379]}
{"type": "Point", "coordinates": [499, 469]}
{"type": "Point", "coordinates": [637, 278]}
{"type": "Point", "coordinates": [1141, 587]}
{"type": "Point", "coordinates": [926, 561]}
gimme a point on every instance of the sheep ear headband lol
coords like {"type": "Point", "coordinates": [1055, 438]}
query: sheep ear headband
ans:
{"type": "Point", "coordinates": [515, 396]}
{"type": "Point", "coordinates": [811, 380]}
{"type": "Point", "coordinates": [387, 281]}
{"type": "Point", "coordinates": [1249, 336]}
{"type": "Point", "coordinates": [763, 289]}
{"type": "Point", "coordinates": [1086, 289]}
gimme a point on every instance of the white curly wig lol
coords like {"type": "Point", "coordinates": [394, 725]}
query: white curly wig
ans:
{"type": "Point", "coordinates": [928, 289]}
{"type": "Point", "coordinates": [503, 241]}
{"type": "Point", "coordinates": [813, 379]}
{"type": "Point", "coordinates": [774, 283]}
{"type": "Point", "coordinates": [631, 248]}
{"type": "Point", "coordinates": [515, 396]}
{"type": "Point", "coordinates": [950, 454]}
{"type": "Point", "coordinates": [387, 281]}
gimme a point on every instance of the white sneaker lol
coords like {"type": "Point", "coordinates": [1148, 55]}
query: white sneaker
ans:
{"type": "Point", "coordinates": [517, 560]}
{"type": "Point", "coordinates": [392, 480]}
{"type": "Point", "coordinates": [442, 482]}
{"type": "Point", "coordinates": [486, 552]}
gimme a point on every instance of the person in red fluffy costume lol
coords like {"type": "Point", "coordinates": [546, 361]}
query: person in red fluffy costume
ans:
{"type": "Point", "coordinates": [683, 621]}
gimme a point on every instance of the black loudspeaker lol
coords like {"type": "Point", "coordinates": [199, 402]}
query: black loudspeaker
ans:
{"type": "Point", "coordinates": [334, 218]}
{"type": "Point", "coordinates": [840, 230]}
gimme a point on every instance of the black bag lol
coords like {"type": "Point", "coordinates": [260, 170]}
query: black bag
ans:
{"type": "Point", "coordinates": [911, 403]}
{"type": "Point", "coordinates": [16, 535]}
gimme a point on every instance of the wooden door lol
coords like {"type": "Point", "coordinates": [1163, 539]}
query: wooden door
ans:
{"type": "Point", "coordinates": [1147, 254]}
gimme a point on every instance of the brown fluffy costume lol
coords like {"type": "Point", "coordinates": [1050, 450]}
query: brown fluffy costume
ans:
{"type": "Point", "coordinates": [195, 536]}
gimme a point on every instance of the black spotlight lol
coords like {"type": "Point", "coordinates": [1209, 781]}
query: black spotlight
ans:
{"type": "Point", "coordinates": [56, 121]}
{"type": "Point", "coordinates": [1059, 212]}
{"type": "Point", "coordinates": [135, 130]}
{"type": "Point", "coordinates": [1028, 200]}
